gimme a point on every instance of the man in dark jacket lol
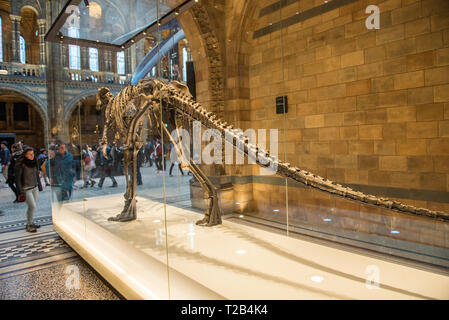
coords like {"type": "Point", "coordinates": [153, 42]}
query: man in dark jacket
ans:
{"type": "Point", "coordinates": [140, 160]}
{"type": "Point", "coordinates": [61, 173]}
{"type": "Point", "coordinates": [5, 158]}
{"type": "Point", "coordinates": [105, 166]}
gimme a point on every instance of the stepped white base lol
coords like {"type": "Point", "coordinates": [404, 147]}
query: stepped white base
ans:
{"type": "Point", "coordinates": [231, 261]}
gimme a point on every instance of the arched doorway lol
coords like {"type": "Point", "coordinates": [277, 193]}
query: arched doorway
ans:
{"type": "Point", "coordinates": [85, 122]}
{"type": "Point", "coordinates": [21, 120]}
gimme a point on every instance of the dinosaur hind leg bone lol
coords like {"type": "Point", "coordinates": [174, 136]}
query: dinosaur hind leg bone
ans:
{"type": "Point", "coordinates": [213, 211]}
{"type": "Point", "coordinates": [129, 211]}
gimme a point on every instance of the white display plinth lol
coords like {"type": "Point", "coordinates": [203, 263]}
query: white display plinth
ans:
{"type": "Point", "coordinates": [230, 261]}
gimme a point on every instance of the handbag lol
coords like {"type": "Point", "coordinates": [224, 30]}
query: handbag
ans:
{"type": "Point", "coordinates": [21, 198]}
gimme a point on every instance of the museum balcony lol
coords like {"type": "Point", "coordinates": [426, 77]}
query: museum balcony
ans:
{"type": "Point", "coordinates": [88, 76]}
{"type": "Point", "coordinates": [19, 72]}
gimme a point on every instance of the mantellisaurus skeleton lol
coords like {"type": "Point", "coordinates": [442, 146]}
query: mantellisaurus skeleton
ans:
{"type": "Point", "coordinates": [170, 106]}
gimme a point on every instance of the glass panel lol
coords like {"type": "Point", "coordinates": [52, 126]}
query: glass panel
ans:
{"type": "Point", "coordinates": [293, 78]}
{"type": "Point", "coordinates": [115, 21]}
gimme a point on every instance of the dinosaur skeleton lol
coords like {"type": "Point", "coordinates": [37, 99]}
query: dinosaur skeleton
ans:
{"type": "Point", "coordinates": [170, 106]}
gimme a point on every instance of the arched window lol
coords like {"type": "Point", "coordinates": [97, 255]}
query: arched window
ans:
{"type": "Point", "coordinates": [74, 51]}
{"type": "Point", "coordinates": [22, 50]}
{"type": "Point", "coordinates": [1, 40]}
{"type": "Point", "coordinates": [121, 62]}
{"type": "Point", "coordinates": [93, 59]}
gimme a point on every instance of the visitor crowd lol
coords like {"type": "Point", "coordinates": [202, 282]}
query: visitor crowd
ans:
{"type": "Point", "coordinates": [64, 164]}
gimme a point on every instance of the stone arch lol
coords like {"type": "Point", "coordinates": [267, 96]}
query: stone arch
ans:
{"type": "Point", "coordinates": [205, 46]}
{"type": "Point", "coordinates": [38, 103]}
{"type": "Point", "coordinates": [25, 7]}
{"type": "Point", "coordinates": [73, 103]}
{"type": "Point", "coordinates": [239, 35]}
{"type": "Point", "coordinates": [34, 5]}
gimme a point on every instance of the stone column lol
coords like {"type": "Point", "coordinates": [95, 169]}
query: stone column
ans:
{"type": "Point", "coordinates": [108, 55]}
{"type": "Point", "coordinates": [128, 60]}
{"type": "Point", "coordinates": [42, 47]}
{"type": "Point", "coordinates": [140, 51]}
{"type": "Point", "coordinates": [15, 33]}
{"type": "Point", "coordinates": [107, 61]}
{"type": "Point", "coordinates": [84, 58]}
{"type": "Point", "coordinates": [64, 50]}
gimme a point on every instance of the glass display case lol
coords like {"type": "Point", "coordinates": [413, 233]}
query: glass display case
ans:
{"type": "Point", "coordinates": [303, 80]}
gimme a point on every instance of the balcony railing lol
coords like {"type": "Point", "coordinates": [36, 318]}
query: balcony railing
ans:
{"type": "Point", "coordinates": [96, 77]}
{"type": "Point", "coordinates": [22, 70]}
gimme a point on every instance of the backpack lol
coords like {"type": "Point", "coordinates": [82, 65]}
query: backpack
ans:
{"type": "Point", "coordinates": [159, 151]}
{"type": "Point", "coordinates": [86, 158]}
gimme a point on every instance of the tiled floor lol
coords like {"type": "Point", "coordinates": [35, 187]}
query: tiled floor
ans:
{"type": "Point", "coordinates": [42, 266]}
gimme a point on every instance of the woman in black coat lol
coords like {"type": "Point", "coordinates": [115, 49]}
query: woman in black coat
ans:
{"type": "Point", "coordinates": [28, 183]}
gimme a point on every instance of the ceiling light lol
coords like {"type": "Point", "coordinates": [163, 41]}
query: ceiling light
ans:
{"type": "Point", "coordinates": [241, 216]}
{"type": "Point", "coordinates": [240, 252]}
{"type": "Point", "coordinates": [276, 210]}
{"type": "Point", "coordinates": [177, 11]}
{"type": "Point", "coordinates": [395, 232]}
{"type": "Point", "coordinates": [327, 220]}
{"type": "Point", "coordinates": [317, 279]}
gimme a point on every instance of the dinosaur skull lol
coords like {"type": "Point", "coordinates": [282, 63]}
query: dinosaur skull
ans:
{"type": "Point", "coordinates": [104, 96]}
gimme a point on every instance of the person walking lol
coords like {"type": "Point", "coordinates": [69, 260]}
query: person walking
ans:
{"type": "Point", "coordinates": [149, 146]}
{"type": "Point", "coordinates": [5, 159]}
{"type": "Point", "coordinates": [158, 155]}
{"type": "Point", "coordinates": [61, 172]}
{"type": "Point", "coordinates": [28, 184]}
{"type": "Point", "coordinates": [17, 152]}
{"type": "Point", "coordinates": [88, 167]}
{"type": "Point", "coordinates": [42, 161]}
{"type": "Point", "coordinates": [176, 157]}
{"type": "Point", "coordinates": [105, 166]}
{"type": "Point", "coordinates": [140, 160]}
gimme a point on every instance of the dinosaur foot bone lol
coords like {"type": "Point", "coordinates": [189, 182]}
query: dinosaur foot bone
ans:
{"type": "Point", "coordinates": [129, 213]}
{"type": "Point", "coordinates": [212, 215]}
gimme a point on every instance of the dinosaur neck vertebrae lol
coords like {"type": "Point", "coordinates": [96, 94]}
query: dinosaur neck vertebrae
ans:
{"type": "Point", "coordinates": [184, 104]}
